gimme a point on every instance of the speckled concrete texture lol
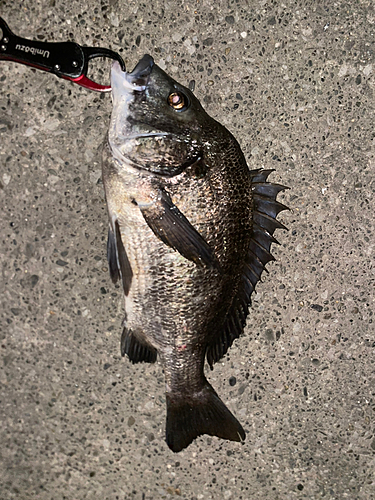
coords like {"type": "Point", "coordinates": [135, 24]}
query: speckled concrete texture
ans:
{"type": "Point", "coordinates": [294, 81]}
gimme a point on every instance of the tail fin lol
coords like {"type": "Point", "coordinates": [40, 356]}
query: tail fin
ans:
{"type": "Point", "coordinates": [190, 416]}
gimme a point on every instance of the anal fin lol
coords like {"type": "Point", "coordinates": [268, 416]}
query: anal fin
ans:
{"type": "Point", "coordinates": [138, 350]}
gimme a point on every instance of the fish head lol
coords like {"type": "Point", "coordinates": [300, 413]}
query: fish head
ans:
{"type": "Point", "coordinates": [157, 124]}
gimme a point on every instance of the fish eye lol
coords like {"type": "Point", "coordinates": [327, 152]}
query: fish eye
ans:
{"type": "Point", "coordinates": [178, 101]}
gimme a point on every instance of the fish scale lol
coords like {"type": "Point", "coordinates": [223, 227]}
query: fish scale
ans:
{"type": "Point", "coordinates": [190, 231]}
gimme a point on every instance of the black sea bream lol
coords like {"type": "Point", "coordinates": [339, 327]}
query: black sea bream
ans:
{"type": "Point", "coordinates": [190, 230]}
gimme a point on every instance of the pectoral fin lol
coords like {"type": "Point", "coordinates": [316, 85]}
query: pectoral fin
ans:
{"type": "Point", "coordinates": [173, 228]}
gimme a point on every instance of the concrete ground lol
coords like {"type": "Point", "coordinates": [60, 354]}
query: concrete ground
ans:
{"type": "Point", "coordinates": [294, 81]}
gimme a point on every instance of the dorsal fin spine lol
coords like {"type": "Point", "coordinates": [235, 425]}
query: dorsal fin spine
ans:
{"type": "Point", "coordinates": [265, 211]}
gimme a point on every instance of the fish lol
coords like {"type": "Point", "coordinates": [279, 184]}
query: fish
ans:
{"type": "Point", "coordinates": [190, 231]}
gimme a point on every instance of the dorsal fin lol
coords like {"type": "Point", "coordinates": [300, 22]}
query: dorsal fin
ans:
{"type": "Point", "coordinates": [265, 211]}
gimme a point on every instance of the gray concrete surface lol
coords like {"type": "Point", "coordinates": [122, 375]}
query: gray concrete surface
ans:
{"type": "Point", "coordinates": [294, 81]}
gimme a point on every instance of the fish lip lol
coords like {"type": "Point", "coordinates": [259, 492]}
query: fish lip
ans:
{"type": "Point", "coordinates": [136, 80]}
{"type": "Point", "coordinates": [142, 71]}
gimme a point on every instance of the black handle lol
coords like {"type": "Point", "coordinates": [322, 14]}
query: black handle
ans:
{"type": "Point", "coordinates": [64, 59]}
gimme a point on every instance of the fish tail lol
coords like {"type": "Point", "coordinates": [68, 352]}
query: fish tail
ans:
{"type": "Point", "coordinates": [202, 412]}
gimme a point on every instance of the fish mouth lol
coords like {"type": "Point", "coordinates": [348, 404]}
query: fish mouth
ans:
{"type": "Point", "coordinates": [147, 135]}
{"type": "Point", "coordinates": [160, 168]}
{"type": "Point", "coordinates": [167, 172]}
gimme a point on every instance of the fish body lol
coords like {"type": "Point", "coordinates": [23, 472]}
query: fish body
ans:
{"type": "Point", "coordinates": [190, 229]}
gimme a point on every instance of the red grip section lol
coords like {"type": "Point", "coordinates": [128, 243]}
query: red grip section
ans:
{"type": "Point", "coordinates": [89, 84]}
